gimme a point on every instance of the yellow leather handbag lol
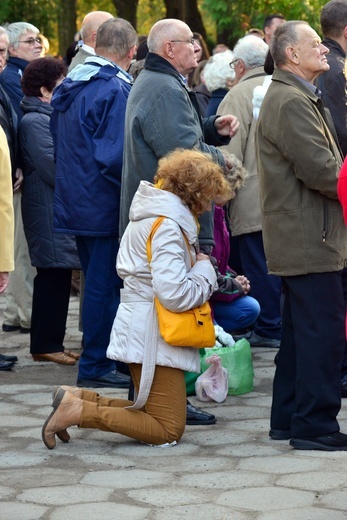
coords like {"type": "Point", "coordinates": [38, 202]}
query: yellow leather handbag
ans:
{"type": "Point", "coordinates": [191, 328]}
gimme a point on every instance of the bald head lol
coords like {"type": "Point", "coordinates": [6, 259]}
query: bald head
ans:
{"type": "Point", "coordinates": [174, 41]}
{"type": "Point", "coordinates": [91, 23]}
{"type": "Point", "coordinates": [166, 30]}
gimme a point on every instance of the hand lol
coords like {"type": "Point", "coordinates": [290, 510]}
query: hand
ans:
{"type": "Point", "coordinates": [3, 282]}
{"type": "Point", "coordinates": [202, 256]}
{"type": "Point", "coordinates": [244, 282]}
{"type": "Point", "coordinates": [227, 125]}
{"type": "Point", "coordinates": [19, 176]}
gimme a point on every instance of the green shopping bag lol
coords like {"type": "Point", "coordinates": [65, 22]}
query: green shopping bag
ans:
{"type": "Point", "coordinates": [238, 361]}
{"type": "Point", "coordinates": [191, 377]}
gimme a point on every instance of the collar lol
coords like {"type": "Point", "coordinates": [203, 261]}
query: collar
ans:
{"type": "Point", "coordinates": [309, 85]}
{"type": "Point", "coordinates": [102, 62]}
{"type": "Point", "coordinates": [88, 49]}
{"type": "Point", "coordinates": [156, 63]}
{"type": "Point", "coordinates": [19, 62]}
{"type": "Point", "coordinates": [253, 73]}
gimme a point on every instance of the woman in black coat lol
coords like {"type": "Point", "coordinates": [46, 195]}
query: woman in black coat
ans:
{"type": "Point", "coordinates": [53, 254]}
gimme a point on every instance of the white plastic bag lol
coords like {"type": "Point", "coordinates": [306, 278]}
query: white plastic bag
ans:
{"type": "Point", "coordinates": [212, 385]}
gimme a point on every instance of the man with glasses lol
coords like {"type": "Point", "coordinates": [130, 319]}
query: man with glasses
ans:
{"type": "Point", "coordinates": [163, 114]}
{"type": "Point", "coordinates": [23, 47]}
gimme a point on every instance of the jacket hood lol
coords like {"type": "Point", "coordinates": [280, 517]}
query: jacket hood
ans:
{"type": "Point", "coordinates": [151, 202]}
{"type": "Point", "coordinates": [94, 67]}
{"type": "Point", "coordinates": [65, 94]}
{"type": "Point", "coordinates": [34, 104]}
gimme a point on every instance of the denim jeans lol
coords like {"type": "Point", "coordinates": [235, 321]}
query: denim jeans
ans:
{"type": "Point", "coordinates": [238, 314]}
{"type": "Point", "coordinates": [101, 299]}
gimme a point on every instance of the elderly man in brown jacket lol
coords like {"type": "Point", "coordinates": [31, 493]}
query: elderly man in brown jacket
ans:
{"type": "Point", "coordinates": [305, 241]}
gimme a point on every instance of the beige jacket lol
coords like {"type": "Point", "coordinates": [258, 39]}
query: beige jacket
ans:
{"type": "Point", "coordinates": [6, 208]}
{"type": "Point", "coordinates": [244, 211]}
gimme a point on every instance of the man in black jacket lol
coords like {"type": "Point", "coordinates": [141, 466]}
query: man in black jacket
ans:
{"type": "Point", "coordinates": [333, 87]}
{"type": "Point", "coordinates": [333, 82]}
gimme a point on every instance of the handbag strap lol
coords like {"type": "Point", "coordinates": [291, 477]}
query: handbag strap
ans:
{"type": "Point", "coordinates": [154, 228]}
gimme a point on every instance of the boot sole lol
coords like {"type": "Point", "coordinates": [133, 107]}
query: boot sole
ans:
{"type": "Point", "coordinates": [56, 402]}
{"type": "Point", "coordinates": [303, 444]}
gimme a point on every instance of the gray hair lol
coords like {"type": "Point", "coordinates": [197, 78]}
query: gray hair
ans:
{"type": "Point", "coordinates": [217, 70]}
{"type": "Point", "coordinates": [16, 30]}
{"type": "Point", "coordinates": [252, 50]}
{"type": "Point", "coordinates": [286, 35]}
{"type": "Point", "coordinates": [116, 36]}
{"type": "Point", "coordinates": [164, 30]}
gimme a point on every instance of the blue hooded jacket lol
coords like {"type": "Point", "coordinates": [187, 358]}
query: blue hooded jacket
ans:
{"type": "Point", "coordinates": [87, 125]}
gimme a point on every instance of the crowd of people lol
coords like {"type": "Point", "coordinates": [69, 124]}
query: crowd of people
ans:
{"type": "Point", "coordinates": [240, 150]}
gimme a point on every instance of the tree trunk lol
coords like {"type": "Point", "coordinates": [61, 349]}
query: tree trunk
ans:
{"type": "Point", "coordinates": [127, 9]}
{"type": "Point", "coordinates": [188, 11]}
{"type": "Point", "coordinates": [66, 24]}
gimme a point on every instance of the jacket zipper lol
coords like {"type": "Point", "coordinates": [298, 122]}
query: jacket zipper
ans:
{"type": "Point", "coordinates": [325, 222]}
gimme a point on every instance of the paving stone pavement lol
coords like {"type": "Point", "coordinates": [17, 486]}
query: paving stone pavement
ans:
{"type": "Point", "coordinates": [228, 471]}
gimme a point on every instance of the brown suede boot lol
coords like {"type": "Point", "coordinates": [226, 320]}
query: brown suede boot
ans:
{"type": "Point", "coordinates": [67, 411]}
{"type": "Point", "coordinates": [63, 435]}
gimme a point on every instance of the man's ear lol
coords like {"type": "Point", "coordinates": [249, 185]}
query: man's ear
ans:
{"type": "Point", "coordinates": [12, 51]}
{"type": "Point", "coordinates": [168, 49]}
{"type": "Point", "coordinates": [132, 52]}
{"type": "Point", "coordinates": [291, 55]}
{"type": "Point", "coordinates": [242, 67]}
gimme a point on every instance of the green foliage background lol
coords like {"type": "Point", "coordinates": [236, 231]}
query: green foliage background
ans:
{"type": "Point", "coordinates": [224, 20]}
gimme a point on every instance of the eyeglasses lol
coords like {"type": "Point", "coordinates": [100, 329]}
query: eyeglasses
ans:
{"type": "Point", "coordinates": [31, 41]}
{"type": "Point", "coordinates": [191, 41]}
{"type": "Point", "coordinates": [232, 63]}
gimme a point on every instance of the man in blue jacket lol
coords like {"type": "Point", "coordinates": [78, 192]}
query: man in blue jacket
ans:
{"type": "Point", "coordinates": [88, 130]}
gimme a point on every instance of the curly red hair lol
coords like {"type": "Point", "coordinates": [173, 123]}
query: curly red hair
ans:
{"type": "Point", "coordinates": [194, 178]}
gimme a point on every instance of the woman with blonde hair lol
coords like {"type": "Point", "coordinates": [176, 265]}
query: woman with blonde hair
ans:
{"type": "Point", "coordinates": [187, 182]}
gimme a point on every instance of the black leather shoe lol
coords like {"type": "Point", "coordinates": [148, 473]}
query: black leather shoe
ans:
{"type": "Point", "coordinates": [10, 328]}
{"type": "Point", "coordinates": [279, 435]}
{"type": "Point", "coordinates": [6, 365]}
{"type": "Point", "coordinates": [344, 386]}
{"type": "Point", "coordinates": [113, 379]}
{"type": "Point", "coordinates": [12, 359]}
{"type": "Point", "coordinates": [197, 416]}
{"type": "Point", "coordinates": [14, 328]}
{"type": "Point", "coordinates": [336, 441]}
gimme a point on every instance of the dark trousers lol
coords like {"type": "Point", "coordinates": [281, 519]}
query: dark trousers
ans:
{"type": "Point", "coordinates": [344, 280]}
{"type": "Point", "coordinates": [265, 288]}
{"type": "Point", "coordinates": [100, 303]}
{"type": "Point", "coordinates": [49, 310]}
{"type": "Point", "coordinates": [307, 384]}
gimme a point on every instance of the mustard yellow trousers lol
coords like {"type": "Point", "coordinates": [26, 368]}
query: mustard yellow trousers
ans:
{"type": "Point", "coordinates": [162, 419]}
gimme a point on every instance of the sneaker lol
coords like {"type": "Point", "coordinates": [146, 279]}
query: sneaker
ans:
{"type": "Point", "coordinates": [261, 341]}
{"type": "Point", "coordinates": [336, 441]}
{"type": "Point", "coordinates": [6, 365]}
{"type": "Point", "coordinates": [12, 359]}
{"type": "Point", "coordinates": [113, 379]}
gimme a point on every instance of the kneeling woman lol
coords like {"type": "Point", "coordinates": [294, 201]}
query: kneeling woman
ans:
{"type": "Point", "coordinates": [187, 182]}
